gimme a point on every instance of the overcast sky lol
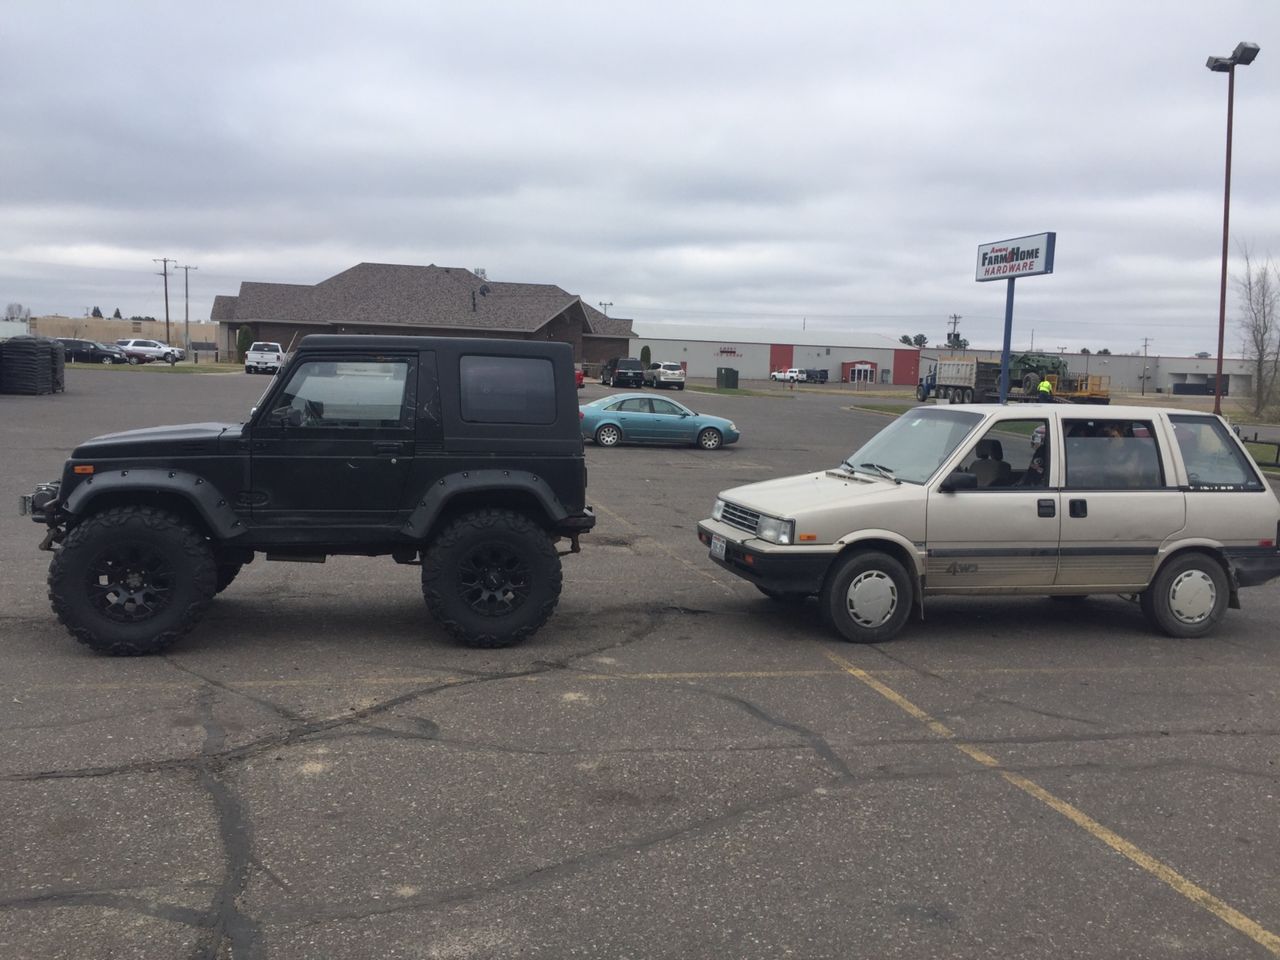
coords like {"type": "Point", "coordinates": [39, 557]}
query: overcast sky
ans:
{"type": "Point", "coordinates": [766, 164]}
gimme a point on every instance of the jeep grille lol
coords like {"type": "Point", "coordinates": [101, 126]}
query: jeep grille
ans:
{"type": "Point", "coordinates": [740, 517]}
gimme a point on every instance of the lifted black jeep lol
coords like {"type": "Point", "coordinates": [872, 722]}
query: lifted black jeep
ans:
{"type": "Point", "coordinates": [461, 455]}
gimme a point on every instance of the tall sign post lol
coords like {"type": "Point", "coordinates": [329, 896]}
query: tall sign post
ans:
{"type": "Point", "coordinates": [1007, 260]}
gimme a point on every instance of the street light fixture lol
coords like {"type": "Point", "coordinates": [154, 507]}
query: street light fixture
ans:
{"type": "Point", "coordinates": [1243, 55]}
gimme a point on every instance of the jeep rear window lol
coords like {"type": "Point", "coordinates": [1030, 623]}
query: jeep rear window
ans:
{"type": "Point", "coordinates": [508, 389]}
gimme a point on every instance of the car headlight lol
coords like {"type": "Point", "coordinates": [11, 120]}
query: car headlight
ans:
{"type": "Point", "coordinates": [775, 530]}
{"type": "Point", "coordinates": [718, 510]}
{"type": "Point", "coordinates": [733, 426]}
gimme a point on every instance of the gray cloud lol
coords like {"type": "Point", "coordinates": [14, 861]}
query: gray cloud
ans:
{"type": "Point", "coordinates": [821, 162]}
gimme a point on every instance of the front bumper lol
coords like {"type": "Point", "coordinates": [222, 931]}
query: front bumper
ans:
{"type": "Point", "coordinates": [784, 569]}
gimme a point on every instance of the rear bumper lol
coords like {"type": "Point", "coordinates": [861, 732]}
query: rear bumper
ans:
{"type": "Point", "coordinates": [576, 523]}
{"type": "Point", "coordinates": [1254, 566]}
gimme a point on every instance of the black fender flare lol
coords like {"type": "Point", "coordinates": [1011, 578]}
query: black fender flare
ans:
{"type": "Point", "coordinates": [437, 496]}
{"type": "Point", "coordinates": [214, 508]}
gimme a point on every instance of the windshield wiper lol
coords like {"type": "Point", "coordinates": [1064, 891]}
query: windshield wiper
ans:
{"type": "Point", "coordinates": [879, 470]}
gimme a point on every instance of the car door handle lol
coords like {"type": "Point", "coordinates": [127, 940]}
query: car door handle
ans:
{"type": "Point", "coordinates": [1046, 508]}
{"type": "Point", "coordinates": [386, 446]}
{"type": "Point", "coordinates": [1078, 508]}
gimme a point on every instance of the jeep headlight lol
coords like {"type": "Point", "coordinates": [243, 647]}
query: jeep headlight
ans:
{"type": "Point", "coordinates": [775, 530]}
{"type": "Point", "coordinates": [718, 510]}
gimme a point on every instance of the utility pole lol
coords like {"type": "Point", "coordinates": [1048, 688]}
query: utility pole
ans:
{"type": "Point", "coordinates": [1145, 341]}
{"type": "Point", "coordinates": [186, 305]}
{"type": "Point", "coordinates": [165, 273]}
{"type": "Point", "coordinates": [605, 306]}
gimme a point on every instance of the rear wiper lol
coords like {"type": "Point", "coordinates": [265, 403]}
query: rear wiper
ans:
{"type": "Point", "coordinates": [880, 470]}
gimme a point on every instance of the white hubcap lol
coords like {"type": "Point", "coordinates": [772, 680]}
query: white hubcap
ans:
{"type": "Point", "coordinates": [871, 598]}
{"type": "Point", "coordinates": [1192, 596]}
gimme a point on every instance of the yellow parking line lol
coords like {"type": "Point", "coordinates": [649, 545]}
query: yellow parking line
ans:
{"type": "Point", "coordinates": [1196, 894]}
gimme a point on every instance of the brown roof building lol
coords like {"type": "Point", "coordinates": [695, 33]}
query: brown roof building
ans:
{"type": "Point", "coordinates": [437, 301]}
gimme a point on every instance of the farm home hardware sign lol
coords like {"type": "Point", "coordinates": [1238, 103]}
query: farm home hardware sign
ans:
{"type": "Point", "coordinates": [1021, 257]}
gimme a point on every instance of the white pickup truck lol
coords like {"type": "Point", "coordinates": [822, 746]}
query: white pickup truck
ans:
{"type": "Point", "coordinates": [263, 358]}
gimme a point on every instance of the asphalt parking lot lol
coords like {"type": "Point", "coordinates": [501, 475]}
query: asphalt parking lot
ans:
{"type": "Point", "coordinates": [674, 766]}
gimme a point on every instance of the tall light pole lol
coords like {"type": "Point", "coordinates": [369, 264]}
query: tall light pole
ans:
{"type": "Point", "coordinates": [1243, 55]}
{"type": "Point", "coordinates": [186, 304]}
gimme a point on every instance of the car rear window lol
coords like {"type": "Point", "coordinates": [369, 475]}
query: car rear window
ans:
{"type": "Point", "coordinates": [1212, 458]}
{"type": "Point", "coordinates": [265, 347]}
{"type": "Point", "coordinates": [671, 366]}
{"type": "Point", "coordinates": [629, 365]}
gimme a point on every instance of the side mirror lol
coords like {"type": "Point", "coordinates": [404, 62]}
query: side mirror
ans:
{"type": "Point", "coordinates": [959, 480]}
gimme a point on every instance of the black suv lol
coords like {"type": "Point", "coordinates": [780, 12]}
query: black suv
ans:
{"type": "Point", "coordinates": [460, 455]}
{"type": "Point", "coordinates": [623, 372]}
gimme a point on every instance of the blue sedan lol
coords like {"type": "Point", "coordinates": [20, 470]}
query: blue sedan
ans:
{"type": "Point", "coordinates": [641, 418]}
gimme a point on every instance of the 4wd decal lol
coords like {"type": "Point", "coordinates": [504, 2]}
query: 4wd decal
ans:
{"type": "Point", "coordinates": [958, 568]}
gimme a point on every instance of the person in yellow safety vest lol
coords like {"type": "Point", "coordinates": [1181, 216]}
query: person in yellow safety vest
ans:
{"type": "Point", "coordinates": [1045, 389]}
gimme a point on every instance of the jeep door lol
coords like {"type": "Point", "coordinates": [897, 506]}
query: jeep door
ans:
{"type": "Point", "coordinates": [335, 443]}
{"type": "Point", "coordinates": [1120, 502]}
{"type": "Point", "coordinates": [1002, 535]}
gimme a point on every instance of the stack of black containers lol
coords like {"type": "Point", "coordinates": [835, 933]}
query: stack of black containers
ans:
{"type": "Point", "coordinates": [32, 365]}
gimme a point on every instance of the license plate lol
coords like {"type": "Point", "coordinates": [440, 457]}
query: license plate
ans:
{"type": "Point", "coordinates": [717, 546]}
{"type": "Point", "coordinates": [24, 507]}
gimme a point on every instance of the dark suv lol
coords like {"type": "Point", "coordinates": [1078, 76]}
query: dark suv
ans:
{"type": "Point", "coordinates": [460, 455]}
{"type": "Point", "coordinates": [623, 372]}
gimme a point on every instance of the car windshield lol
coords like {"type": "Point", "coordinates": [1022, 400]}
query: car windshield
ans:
{"type": "Point", "coordinates": [914, 446]}
{"type": "Point", "coordinates": [629, 365]}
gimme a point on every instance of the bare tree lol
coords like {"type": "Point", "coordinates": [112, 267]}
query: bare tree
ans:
{"type": "Point", "coordinates": [16, 311]}
{"type": "Point", "coordinates": [1259, 292]}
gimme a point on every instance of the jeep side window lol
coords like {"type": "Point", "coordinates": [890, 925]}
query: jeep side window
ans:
{"type": "Point", "coordinates": [352, 394]}
{"type": "Point", "coordinates": [508, 389]}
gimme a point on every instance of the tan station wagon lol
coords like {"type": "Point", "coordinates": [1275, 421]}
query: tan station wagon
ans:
{"type": "Point", "coordinates": [1062, 500]}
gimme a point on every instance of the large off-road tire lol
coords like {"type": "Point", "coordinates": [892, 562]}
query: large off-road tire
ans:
{"type": "Point", "coordinates": [1188, 596]}
{"type": "Point", "coordinates": [132, 580]}
{"type": "Point", "coordinates": [868, 597]}
{"type": "Point", "coordinates": [227, 572]}
{"type": "Point", "coordinates": [491, 578]}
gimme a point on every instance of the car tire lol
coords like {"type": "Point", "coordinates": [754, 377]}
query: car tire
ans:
{"type": "Point", "coordinates": [608, 435]}
{"type": "Point", "coordinates": [106, 360]}
{"type": "Point", "coordinates": [491, 578]}
{"type": "Point", "coordinates": [709, 438]}
{"type": "Point", "coordinates": [1188, 596]}
{"type": "Point", "coordinates": [164, 566]}
{"type": "Point", "coordinates": [867, 597]}
{"type": "Point", "coordinates": [921, 394]}
{"type": "Point", "coordinates": [133, 361]}
{"type": "Point", "coordinates": [679, 386]}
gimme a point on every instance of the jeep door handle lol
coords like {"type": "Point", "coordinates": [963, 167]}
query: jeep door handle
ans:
{"type": "Point", "coordinates": [1078, 508]}
{"type": "Point", "coordinates": [387, 446]}
{"type": "Point", "coordinates": [1046, 508]}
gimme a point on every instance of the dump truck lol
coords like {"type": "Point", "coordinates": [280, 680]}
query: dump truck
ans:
{"type": "Point", "coordinates": [970, 380]}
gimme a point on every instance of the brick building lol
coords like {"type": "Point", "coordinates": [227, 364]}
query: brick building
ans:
{"type": "Point", "coordinates": [437, 301]}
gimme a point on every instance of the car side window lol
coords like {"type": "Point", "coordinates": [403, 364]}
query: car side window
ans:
{"type": "Point", "coordinates": [635, 405]}
{"type": "Point", "coordinates": [350, 394]}
{"type": "Point", "coordinates": [665, 407]}
{"type": "Point", "coordinates": [1011, 454]}
{"type": "Point", "coordinates": [1104, 454]}
{"type": "Point", "coordinates": [1212, 459]}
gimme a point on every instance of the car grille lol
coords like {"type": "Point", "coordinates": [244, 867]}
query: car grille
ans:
{"type": "Point", "coordinates": [740, 517]}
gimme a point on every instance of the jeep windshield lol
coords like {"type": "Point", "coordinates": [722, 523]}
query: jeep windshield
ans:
{"type": "Point", "coordinates": [913, 447]}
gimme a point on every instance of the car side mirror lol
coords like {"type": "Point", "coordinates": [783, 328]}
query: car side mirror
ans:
{"type": "Point", "coordinates": [959, 480]}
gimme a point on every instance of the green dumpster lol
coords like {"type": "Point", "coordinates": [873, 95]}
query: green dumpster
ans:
{"type": "Point", "coordinates": [726, 378]}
